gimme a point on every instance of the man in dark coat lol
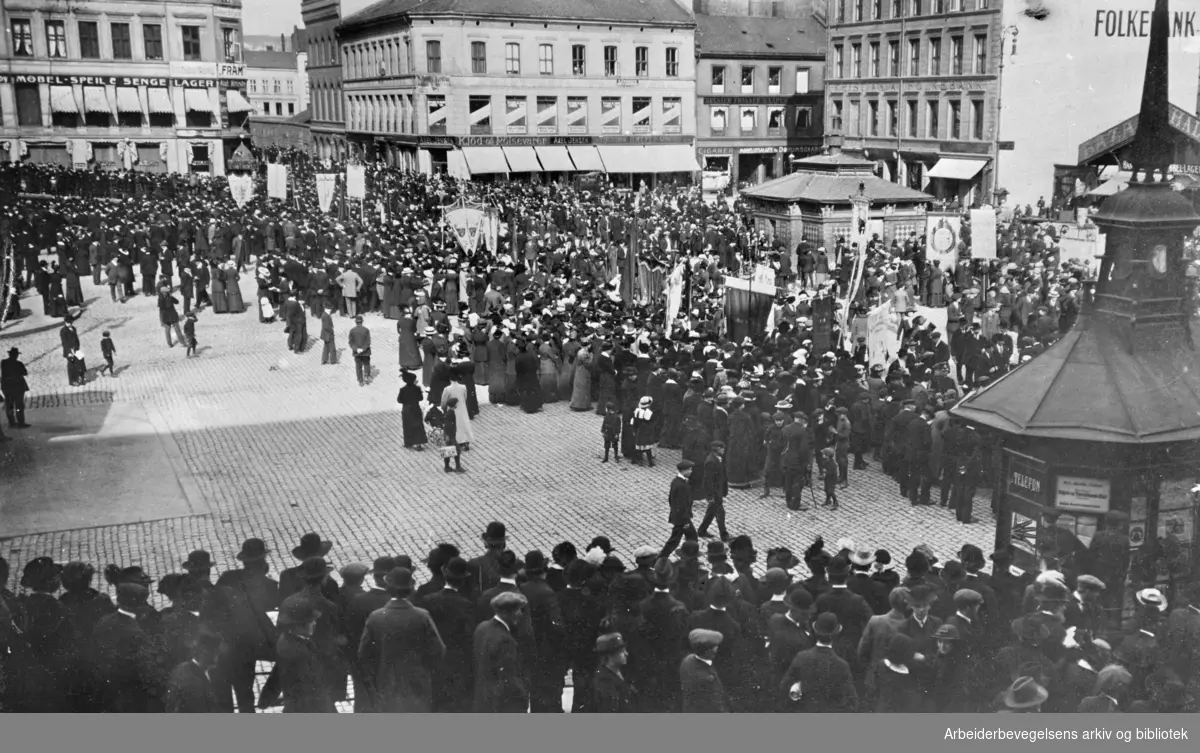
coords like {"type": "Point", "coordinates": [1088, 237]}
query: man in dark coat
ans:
{"type": "Point", "coordinates": [716, 488]}
{"type": "Point", "coordinates": [547, 668]}
{"type": "Point", "coordinates": [360, 347]}
{"type": "Point", "coordinates": [680, 500]}
{"type": "Point", "coordinates": [354, 620]}
{"type": "Point", "coordinates": [453, 615]}
{"type": "Point", "coordinates": [819, 680]}
{"type": "Point", "coordinates": [664, 621]}
{"type": "Point", "coordinates": [700, 684]}
{"type": "Point", "coordinates": [400, 651]}
{"type": "Point", "coordinates": [121, 658]}
{"type": "Point", "coordinates": [254, 594]}
{"type": "Point", "coordinates": [329, 347]}
{"type": "Point", "coordinates": [302, 672]}
{"type": "Point", "coordinates": [788, 634]}
{"type": "Point", "coordinates": [484, 570]}
{"type": "Point", "coordinates": [13, 387]}
{"type": "Point", "coordinates": [918, 438]}
{"type": "Point", "coordinates": [292, 314]}
{"type": "Point", "coordinates": [581, 610]}
{"type": "Point", "coordinates": [721, 596]}
{"type": "Point", "coordinates": [501, 684]}
{"type": "Point", "coordinates": [507, 567]}
{"type": "Point", "coordinates": [191, 688]}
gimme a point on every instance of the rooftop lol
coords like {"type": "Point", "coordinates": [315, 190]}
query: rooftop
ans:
{"type": "Point", "coordinates": [831, 179]}
{"type": "Point", "coordinates": [757, 36]}
{"type": "Point", "coordinates": [627, 11]}
{"type": "Point", "coordinates": [269, 59]}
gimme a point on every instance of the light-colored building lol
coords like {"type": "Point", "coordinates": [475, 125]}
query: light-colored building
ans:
{"type": "Point", "coordinates": [467, 87]}
{"type": "Point", "coordinates": [321, 19]}
{"type": "Point", "coordinates": [277, 82]}
{"type": "Point", "coordinates": [759, 91]}
{"type": "Point", "coordinates": [153, 87]}
{"type": "Point", "coordinates": [912, 86]}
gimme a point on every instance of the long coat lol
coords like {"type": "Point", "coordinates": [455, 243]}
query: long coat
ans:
{"type": "Point", "coordinates": [399, 652]}
{"type": "Point", "coordinates": [190, 690]}
{"type": "Point", "coordinates": [501, 685]}
{"type": "Point", "coordinates": [302, 677]}
{"type": "Point", "coordinates": [700, 687]}
{"type": "Point", "coordinates": [453, 682]}
{"type": "Point", "coordinates": [826, 684]}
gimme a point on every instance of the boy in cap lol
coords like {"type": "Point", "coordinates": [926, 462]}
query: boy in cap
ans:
{"type": "Point", "coordinates": [700, 684]}
{"type": "Point", "coordinates": [107, 349]}
{"type": "Point", "coordinates": [610, 430]}
{"type": "Point", "coordinates": [716, 487]}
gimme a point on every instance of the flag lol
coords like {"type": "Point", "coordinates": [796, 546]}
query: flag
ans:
{"type": "Point", "coordinates": [942, 233]}
{"type": "Point", "coordinates": [326, 185]}
{"type": "Point", "coordinates": [277, 176]}
{"type": "Point", "coordinates": [356, 182]}
{"type": "Point", "coordinates": [629, 267]}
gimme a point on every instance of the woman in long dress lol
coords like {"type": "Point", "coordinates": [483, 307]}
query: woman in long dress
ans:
{"type": "Point", "coordinates": [450, 293]}
{"type": "Point", "coordinates": [217, 289]}
{"type": "Point", "coordinates": [406, 328]}
{"type": "Point", "coordinates": [466, 434]}
{"type": "Point", "coordinates": [479, 350]}
{"type": "Point", "coordinates": [548, 371]}
{"type": "Point", "coordinates": [512, 394]}
{"type": "Point", "coordinates": [464, 369]}
{"type": "Point", "coordinates": [566, 372]}
{"type": "Point", "coordinates": [606, 375]}
{"type": "Point", "coordinates": [233, 289]}
{"type": "Point", "coordinates": [528, 386]}
{"type": "Point", "coordinates": [581, 392]}
{"type": "Point", "coordinates": [411, 419]}
{"type": "Point", "coordinates": [497, 368]}
{"type": "Point", "coordinates": [386, 283]}
{"type": "Point", "coordinates": [742, 448]}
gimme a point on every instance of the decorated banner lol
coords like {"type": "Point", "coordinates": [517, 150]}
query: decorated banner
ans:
{"type": "Point", "coordinates": [577, 115]}
{"type": "Point", "coordinates": [356, 182]}
{"type": "Point", "coordinates": [326, 185]}
{"type": "Point", "coordinates": [983, 234]}
{"type": "Point", "coordinates": [672, 114]}
{"type": "Point", "coordinates": [674, 296]}
{"type": "Point", "coordinates": [466, 224]}
{"type": "Point", "coordinates": [241, 188]}
{"type": "Point", "coordinates": [942, 233]}
{"type": "Point", "coordinates": [883, 335]}
{"type": "Point", "coordinates": [547, 114]}
{"type": "Point", "coordinates": [277, 178]}
{"type": "Point", "coordinates": [491, 231]}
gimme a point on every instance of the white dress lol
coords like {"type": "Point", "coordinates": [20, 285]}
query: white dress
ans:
{"type": "Point", "coordinates": [466, 434]}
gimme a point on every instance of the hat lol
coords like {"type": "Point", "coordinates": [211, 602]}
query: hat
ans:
{"type": "Point", "coordinates": [700, 639]}
{"type": "Point", "coordinates": [684, 465]}
{"type": "Point", "coordinates": [132, 594]}
{"type": "Point", "coordinates": [314, 568]}
{"type": "Point", "coordinates": [495, 532]}
{"type": "Point", "coordinates": [355, 572]}
{"type": "Point", "coordinates": [798, 598]}
{"type": "Point", "coordinates": [198, 561]}
{"type": "Point", "coordinates": [664, 574]}
{"type": "Point", "coordinates": [1089, 582]}
{"type": "Point", "coordinates": [578, 572]}
{"type": "Point", "coordinates": [921, 595]}
{"type": "Point", "coordinates": [297, 612]}
{"type": "Point", "coordinates": [456, 571]}
{"type": "Point", "coordinates": [827, 625]}
{"type": "Point", "coordinates": [645, 552]}
{"type": "Point", "coordinates": [609, 643]}
{"type": "Point", "coordinates": [782, 558]}
{"type": "Point", "coordinates": [399, 580]}
{"type": "Point", "coordinates": [947, 633]}
{"type": "Point", "coordinates": [776, 579]}
{"type": "Point", "coordinates": [953, 572]}
{"type": "Point", "coordinates": [1029, 630]}
{"type": "Point", "coordinates": [1054, 593]}
{"type": "Point", "coordinates": [535, 562]}
{"type": "Point", "coordinates": [717, 445]}
{"type": "Point", "coordinates": [862, 557]}
{"type": "Point", "coordinates": [14, 352]}
{"type": "Point", "coordinates": [383, 565]}
{"type": "Point", "coordinates": [311, 545]}
{"type": "Point", "coordinates": [508, 601]}
{"type": "Point", "coordinates": [602, 543]}
{"type": "Point", "coordinates": [1153, 598]}
{"type": "Point", "coordinates": [971, 555]}
{"type": "Point", "coordinates": [1025, 693]}
{"type": "Point", "coordinates": [720, 593]}
{"type": "Point", "coordinates": [253, 550]}
{"type": "Point", "coordinates": [40, 572]}
{"type": "Point", "coordinates": [965, 597]}
{"type": "Point", "coordinates": [715, 550]}
{"type": "Point", "coordinates": [839, 567]}
{"type": "Point", "coordinates": [612, 564]}
{"type": "Point", "coordinates": [900, 649]}
{"type": "Point", "coordinates": [77, 574]}
{"type": "Point", "coordinates": [927, 551]}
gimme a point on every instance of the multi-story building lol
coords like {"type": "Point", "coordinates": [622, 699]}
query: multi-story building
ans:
{"type": "Point", "coordinates": [759, 92]}
{"type": "Point", "coordinates": [912, 85]}
{"type": "Point", "coordinates": [473, 89]}
{"type": "Point", "coordinates": [151, 86]}
{"type": "Point", "coordinates": [321, 19]}
{"type": "Point", "coordinates": [277, 82]}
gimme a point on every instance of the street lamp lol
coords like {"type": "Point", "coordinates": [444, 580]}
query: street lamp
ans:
{"type": "Point", "coordinates": [1013, 31]}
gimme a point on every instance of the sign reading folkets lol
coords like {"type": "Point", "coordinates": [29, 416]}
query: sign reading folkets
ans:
{"type": "Point", "coordinates": [1026, 478]}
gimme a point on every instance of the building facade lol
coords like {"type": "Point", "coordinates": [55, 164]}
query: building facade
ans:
{"type": "Point", "coordinates": [605, 86]}
{"type": "Point", "coordinates": [759, 98]}
{"type": "Point", "coordinates": [913, 86]}
{"type": "Point", "coordinates": [321, 19]}
{"type": "Point", "coordinates": [154, 87]}
{"type": "Point", "coordinates": [277, 82]}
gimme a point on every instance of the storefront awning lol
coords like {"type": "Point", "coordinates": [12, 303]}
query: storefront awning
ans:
{"type": "Point", "coordinates": [670, 158]}
{"type": "Point", "coordinates": [235, 102]}
{"type": "Point", "coordinates": [555, 159]}
{"type": "Point", "coordinates": [456, 165]}
{"type": "Point", "coordinates": [624, 159]}
{"type": "Point", "coordinates": [96, 100]}
{"type": "Point", "coordinates": [586, 159]}
{"type": "Point", "coordinates": [522, 159]}
{"type": "Point", "coordinates": [196, 100]}
{"type": "Point", "coordinates": [62, 99]}
{"type": "Point", "coordinates": [127, 99]}
{"type": "Point", "coordinates": [160, 101]}
{"type": "Point", "coordinates": [482, 160]}
{"type": "Point", "coordinates": [956, 169]}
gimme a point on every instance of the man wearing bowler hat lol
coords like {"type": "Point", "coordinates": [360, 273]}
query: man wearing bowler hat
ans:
{"type": "Point", "coordinates": [13, 387]}
{"type": "Point", "coordinates": [700, 684]}
{"type": "Point", "coordinates": [327, 638]}
{"type": "Point", "coordinates": [680, 500]}
{"type": "Point", "coordinates": [819, 680]}
{"type": "Point", "coordinates": [611, 692]}
{"type": "Point", "coordinates": [501, 684]}
{"type": "Point", "coordinates": [454, 616]}
{"type": "Point", "coordinates": [400, 650]}
{"type": "Point", "coordinates": [716, 488]}
{"type": "Point", "coordinates": [483, 568]}
{"type": "Point", "coordinates": [546, 670]}
{"type": "Point", "coordinates": [788, 634]}
{"type": "Point", "coordinates": [664, 620]}
{"type": "Point", "coordinates": [354, 621]}
{"type": "Point", "coordinates": [253, 594]}
{"type": "Point", "coordinates": [290, 580]}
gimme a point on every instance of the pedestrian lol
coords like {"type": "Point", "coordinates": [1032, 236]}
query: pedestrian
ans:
{"type": "Point", "coordinates": [644, 428]}
{"type": "Point", "coordinates": [301, 669]}
{"type": "Point", "coordinates": [400, 651]}
{"type": "Point", "coordinates": [450, 445]}
{"type": "Point", "coordinates": [412, 423]}
{"type": "Point", "coordinates": [359, 340]}
{"type": "Point", "coordinates": [13, 387]}
{"type": "Point", "coordinates": [453, 616]}
{"type": "Point", "coordinates": [501, 684]}
{"type": "Point", "coordinates": [819, 680]}
{"type": "Point", "coordinates": [700, 685]}
{"type": "Point", "coordinates": [680, 505]}
{"type": "Point", "coordinates": [829, 464]}
{"type": "Point", "coordinates": [189, 334]}
{"type": "Point", "coordinates": [112, 275]}
{"type": "Point", "coordinates": [351, 283]}
{"type": "Point", "coordinates": [107, 349]}
{"type": "Point", "coordinates": [193, 687]}
{"type": "Point", "coordinates": [457, 390]}
{"type": "Point", "coordinates": [610, 430]}
{"type": "Point", "coordinates": [716, 487]}
{"type": "Point", "coordinates": [296, 324]}
{"type": "Point", "coordinates": [611, 692]}
{"type": "Point", "coordinates": [329, 348]}
{"type": "Point", "coordinates": [168, 316]}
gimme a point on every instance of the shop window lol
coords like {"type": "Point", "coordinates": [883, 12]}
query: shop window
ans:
{"type": "Point", "coordinates": [29, 104]}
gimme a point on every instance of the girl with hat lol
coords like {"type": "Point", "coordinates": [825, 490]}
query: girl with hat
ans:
{"type": "Point", "coordinates": [643, 427]}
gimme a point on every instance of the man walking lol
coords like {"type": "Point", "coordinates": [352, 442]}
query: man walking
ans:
{"type": "Point", "coordinates": [329, 351]}
{"type": "Point", "coordinates": [716, 487]}
{"type": "Point", "coordinates": [351, 283]}
{"type": "Point", "coordinates": [680, 498]}
{"type": "Point", "coordinates": [13, 386]}
{"type": "Point", "coordinates": [293, 316]}
{"type": "Point", "coordinates": [360, 346]}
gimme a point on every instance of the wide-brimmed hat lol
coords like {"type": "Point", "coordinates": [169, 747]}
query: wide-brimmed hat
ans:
{"type": "Point", "coordinates": [14, 352]}
{"type": "Point", "coordinates": [311, 545]}
{"type": "Point", "coordinates": [863, 557]}
{"type": "Point", "coordinates": [399, 580]}
{"type": "Point", "coordinates": [41, 573]}
{"type": "Point", "coordinates": [1025, 693]}
{"type": "Point", "coordinates": [827, 625]}
{"type": "Point", "coordinates": [609, 643]}
{"type": "Point", "coordinates": [198, 561]}
{"type": "Point", "coordinates": [253, 550]}
{"type": "Point", "coordinates": [314, 568]}
{"type": "Point", "coordinates": [1152, 598]}
{"type": "Point", "coordinates": [782, 558]}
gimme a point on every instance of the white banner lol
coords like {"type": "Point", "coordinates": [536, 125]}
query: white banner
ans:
{"type": "Point", "coordinates": [326, 183]}
{"type": "Point", "coordinates": [883, 335]}
{"type": "Point", "coordinates": [942, 233]}
{"type": "Point", "coordinates": [467, 226]}
{"type": "Point", "coordinates": [356, 182]}
{"type": "Point", "coordinates": [983, 234]}
{"type": "Point", "coordinates": [241, 188]}
{"type": "Point", "coordinates": [675, 296]}
{"type": "Point", "coordinates": [277, 181]}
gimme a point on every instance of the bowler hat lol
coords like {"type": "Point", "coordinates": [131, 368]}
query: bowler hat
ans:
{"type": "Point", "coordinates": [314, 568]}
{"type": "Point", "coordinates": [838, 567]}
{"type": "Point", "coordinates": [311, 545]}
{"type": "Point", "coordinates": [721, 593]}
{"type": "Point", "coordinates": [716, 550]}
{"type": "Point", "coordinates": [456, 571]}
{"type": "Point", "coordinates": [579, 572]}
{"type": "Point", "coordinates": [776, 580]}
{"type": "Point", "coordinates": [798, 598]}
{"type": "Point", "coordinates": [827, 625]}
{"type": "Point", "coordinates": [132, 594]}
{"type": "Point", "coordinates": [609, 643]}
{"type": "Point", "coordinates": [198, 561]}
{"type": "Point", "coordinates": [495, 532]}
{"type": "Point", "coordinates": [253, 550]}
{"type": "Point", "coordinates": [383, 566]}
{"type": "Point", "coordinates": [535, 562]}
{"type": "Point", "coordinates": [782, 558]}
{"type": "Point", "coordinates": [506, 564]}
{"type": "Point", "coordinates": [399, 580]}
{"type": "Point", "coordinates": [953, 572]}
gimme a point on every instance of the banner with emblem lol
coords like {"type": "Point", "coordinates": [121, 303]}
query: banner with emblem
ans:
{"type": "Point", "coordinates": [326, 185]}
{"type": "Point", "coordinates": [983, 234]}
{"type": "Point", "coordinates": [942, 232]}
{"type": "Point", "coordinates": [466, 224]}
{"type": "Point", "coordinates": [241, 188]}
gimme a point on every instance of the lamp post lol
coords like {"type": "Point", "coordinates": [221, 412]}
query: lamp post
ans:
{"type": "Point", "coordinates": [1013, 31]}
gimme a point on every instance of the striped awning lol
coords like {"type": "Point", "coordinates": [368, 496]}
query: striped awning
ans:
{"type": "Point", "coordinates": [670, 158]}
{"type": "Point", "coordinates": [62, 99]}
{"type": "Point", "coordinates": [624, 159]}
{"type": "Point", "coordinates": [555, 158]}
{"type": "Point", "coordinates": [586, 159]}
{"type": "Point", "coordinates": [522, 159]}
{"type": "Point", "coordinates": [196, 100]}
{"type": "Point", "coordinates": [236, 102]}
{"type": "Point", "coordinates": [482, 160]}
{"type": "Point", "coordinates": [160, 101]}
{"type": "Point", "coordinates": [127, 99]}
{"type": "Point", "coordinates": [95, 99]}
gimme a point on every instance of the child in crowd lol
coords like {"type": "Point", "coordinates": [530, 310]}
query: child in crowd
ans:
{"type": "Point", "coordinates": [610, 429]}
{"type": "Point", "coordinates": [189, 333]}
{"type": "Point", "coordinates": [107, 349]}
{"type": "Point", "coordinates": [450, 446]}
{"type": "Point", "coordinates": [830, 465]}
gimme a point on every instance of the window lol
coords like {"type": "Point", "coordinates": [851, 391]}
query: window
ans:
{"type": "Point", "coordinates": [911, 106]}
{"type": "Point", "coordinates": [897, 8]}
{"type": "Point", "coordinates": [718, 79]}
{"type": "Point", "coordinates": [22, 35]}
{"type": "Point", "coordinates": [748, 80]}
{"type": "Point", "coordinates": [894, 58]}
{"type": "Point", "coordinates": [931, 119]}
{"type": "Point", "coordinates": [433, 56]}
{"type": "Point", "coordinates": [291, 86]}
{"type": "Point", "coordinates": [152, 35]}
{"type": "Point", "coordinates": [980, 54]}
{"type": "Point", "coordinates": [480, 109]}
{"type": "Point", "coordinates": [891, 126]}
{"type": "Point", "coordinates": [839, 61]}
{"type": "Point", "coordinates": [641, 114]}
{"type": "Point", "coordinates": [936, 7]}
{"type": "Point", "coordinates": [915, 8]}
{"type": "Point", "coordinates": [935, 56]}
{"type": "Point", "coordinates": [610, 60]}
{"type": "Point", "coordinates": [191, 42]}
{"type": "Point", "coordinates": [279, 108]}
{"type": "Point", "coordinates": [266, 108]}
{"type": "Point", "coordinates": [774, 121]}
{"type": "Point", "coordinates": [577, 114]}
{"type": "Point", "coordinates": [578, 60]}
{"type": "Point", "coordinates": [956, 55]}
{"type": "Point", "coordinates": [749, 120]}
{"type": "Point", "coordinates": [856, 61]}
{"type": "Point", "coordinates": [673, 62]}
{"type": "Point", "coordinates": [121, 46]}
{"type": "Point", "coordinates": [56, 39]}
{"type": "Point", "coordinates": [291, 108]}
{"type": "Point", "coordinates": [914, 57]}
{"type": "Point", "coordinates": [841, 11]}
{"type": "Point", "coordinates": [437, 112]}
{"type": "Point", "coordinates": [672, 114]}
{"type": "Point", "coordinates": [977, 120]}
{"type": "Point", "coordinates": [229, 44]}
{"type": "Point", "coordinates": [835, 117]}
{"type": "Point", "coordinates": [774, 77]}
{"type": "Point", "coordinates": [854, 119]}
{"type": "Point", "coordinates": [803, 118]}
{"type": "Point", "coordinates": [253, 83]}
{"type": "Point", "coordinates": [512, 58]}
{"type": "Point", "coordinates": [478, 57]}
{"type": "Point", "coordinates": [802, 80]}
{"type": "Point", "coordinates": [547, 114]}
{"type": "Point", "coordinates": [718, 118]}
{"type": "Point", "coordinates": [515, 115]}
{"type": "Point", "coordinates": [610, 114]}
{"type": "Point", "coordinates": [876, 9]}
{"type": "Point", "coordinates": [277, 86]}
{"type": "Point", "coordinates": [641, 61]}
{"type": "Point", "coordinates": [874, 60]}
{"type": "Point", "coordinates": [545, 60]}
{"type": "Point", "coordinates": [29, 104]}
{"type": "Point", "coordinates": [873, 118]}
{"type": "Point", "coordinates": [89, 40]}
{"type": "Point", "coordinates": [956, 120]}
{"type": "Point", "coordinates": [858, 7]}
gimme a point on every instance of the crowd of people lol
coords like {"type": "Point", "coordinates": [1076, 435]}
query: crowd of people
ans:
{"type": "Point", "coordinates": [541, 316]}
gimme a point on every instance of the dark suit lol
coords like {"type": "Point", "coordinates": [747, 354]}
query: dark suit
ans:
{"type": "Point", "coordinates": [453, 681]}
{"type": "Point", "coordinates": [302, 677]}
{"type": "Point", "coordinates": [871, 590]}
{"type": "Point", "coordinates": [730, 652]}
{"type": "Point", "coordinates": [354, 622]}
{"type": "Point", "coordinates": [716, 487]}
{"type": "Point", "coordinates": [853, 614]}
{"type": "Point", "coordinates": [399, 653]}
{"type": "Point", "coordinates": [826, 684]}
{"type": "Point", "coordinates": [581, 612]}
{"type": "Point", "coordinates": [701, 688]}
{"type": "Point", "coordinates": [359, 340]}
{"type": "Point", "coordinates": [484, 573]}
{"type": "Point", "coordinates": [923, 643]}
{"type": "Point", "coordinates": [483, 605]}
{"type": "Point", "coordinates": [787, 639]}
{"type": "Point", "coordinates": [329, 352]}
{"type": "Point", "coordinates": [680, 517]}
{"type": "Point", "coordinates": [611, 694]}
{"type": "Point", "coordinates": [664, 620]}
{"type": "Point", "coordinates": [546, 667]}
{"type": "Point", "coordinates": [500, 682]}
{"type": "Point", "coordinates": [190, 690]}
{"type": "Point", "coordinates": [124, 664]}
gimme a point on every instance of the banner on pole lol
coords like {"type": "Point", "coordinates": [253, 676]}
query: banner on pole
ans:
{"type": "Point", "coordinates": [241, 188]}
{"type": "Point", "coordinates": [326, 185]}
{"type": "Point", "coordinates": [356, 182]}
{"type": "Point", "coordinates": [467, 225]}
{"type": "Point", "coordinates": [883, 335]}
{"type": "Point", "coordinates": [983, 234]}
{"type": "Point", "coordinates": [277, 181]}
{"type": "Point", "coordinates": [941, 239]}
